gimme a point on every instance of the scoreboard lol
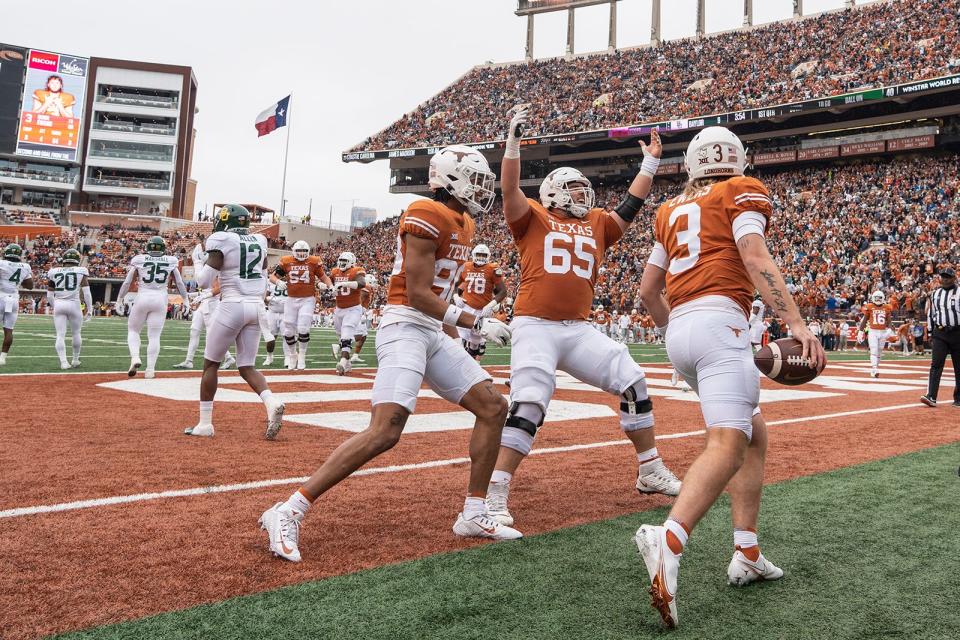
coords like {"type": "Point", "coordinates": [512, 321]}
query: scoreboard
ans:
{"type": "Point", "coordinates": [12, 68]}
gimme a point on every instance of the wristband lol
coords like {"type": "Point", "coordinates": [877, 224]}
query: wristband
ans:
{"type": "Point", "coordinates": [649, 166]}
{"type": "Point", "coordinates": [512, 148]}
{"type": "Point", "coordinates": [629, 207]}
{"type": "Point", "coordinates": [452, 315]}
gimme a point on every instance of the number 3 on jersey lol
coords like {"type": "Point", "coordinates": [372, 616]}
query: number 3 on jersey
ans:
{"type": "Point", "coordinates": [558, 259]}
{"type": "Point", "coordinates": [689, 237]}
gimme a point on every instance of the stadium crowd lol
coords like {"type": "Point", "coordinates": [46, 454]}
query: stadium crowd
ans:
{"type": "Point", "coordinates": [879, 44]}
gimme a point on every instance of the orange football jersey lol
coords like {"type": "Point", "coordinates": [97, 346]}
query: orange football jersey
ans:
{"type": "Point", "coordinates": [450, 231]}
{"type": "Point", "coordinates": [301, 276]}
{"type": "Point", "coordinates": [478, 283]}
{"type": "Point", "coordinates": [878, 316]}
{"type": "Point", "coordinates": [366, 296]}
{"type": "Point", "coordinates": [696, 231]}
{"type": "Point", "coordinates": [601, 318]}
{"type": "Point", "coordinates": [346, 297]}
{"type": "Point", "coordinates": [559, 258]}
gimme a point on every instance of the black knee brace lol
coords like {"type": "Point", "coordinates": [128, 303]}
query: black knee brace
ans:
{"type": "Point", "coordinates": [291, 340]}
{"type": "Point", "coordinates": [346, 345]}
{"type": "Point", "coordinates": [303, 337]}
{"type": "Point", "coordinates": [522, 423]}
{"type": "Point", "coordinates": [629, 404]}
{"type": "Point", "coordinates": [474, 353]}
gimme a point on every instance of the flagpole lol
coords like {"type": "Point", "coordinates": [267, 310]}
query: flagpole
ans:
{"type": "Point", "coordinates": [286, 155]}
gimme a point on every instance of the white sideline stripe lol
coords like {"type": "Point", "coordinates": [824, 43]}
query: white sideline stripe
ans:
{"type": "Point", "coordinates": [259, 484]}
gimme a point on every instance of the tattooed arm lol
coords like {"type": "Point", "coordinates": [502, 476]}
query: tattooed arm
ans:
{"type": "Point", "coordinates": [769, 282]}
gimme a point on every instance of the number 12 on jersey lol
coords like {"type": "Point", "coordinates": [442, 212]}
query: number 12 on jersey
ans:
{"type": "Point", "coordinates": [251, 253]}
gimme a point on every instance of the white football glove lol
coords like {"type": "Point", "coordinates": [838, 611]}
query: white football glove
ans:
{"type": "Point", "coordinates": [488, 310]}
{"type": "Point", "coordinates": [492, 330]}
{"type": "Point", "coordinates": [321, 286]}
{"type": "Point", "coordinates": [457, 300]}
{"type": "Point", "coordinates": [518, 121]}
{"type": "Point", "coordinates": [118, 307]}
{"type": "Point", "coordinates": [350, 284]}
{"type": "Point", "coordinates": [88, 317]}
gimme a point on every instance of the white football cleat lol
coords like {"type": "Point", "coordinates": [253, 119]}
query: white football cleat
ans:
{"type": "Point", "coordinates": [282, 525]}
{"type": "Point", "coordinates": [655, 477]}
{"type": "Point", "coordinates": [663, 565]}
{"type": "Point", "coordinates": [497, 493]}
{"type": "Point", "coordinates": [355, 359]}
{"type": "Point", "coordinates": [149, 374]}
{"type": "Point", "coordinates": [274, 419]}
{"type": "Point", "coordinates": [344, 367]}
{"type": "Point", "coordinates": [302, 361]}
{"type": "Point", "coordinates": [134, 366]}
{"type": "Point", "coordinates": [289, 363]}
{"type": "Point", "coordinates": [3, 359]}
{"type": "Point", "coordinates": [483, 526]}
{"type": "Point", "coordinates": [268, 360]}
{"type": "Point", "coordinates": [742, 571]}
{"type": "Point", "coordinates": [874, 374]}
{"type": "Point", "coordinates": [335, 349]}
{"type": "Point", "coordinates": [186, 364]}
{"type": "Point", "coordinates": [75, 363]}
{"type": "Point", "coordinates": [228, 362]}
{"type": "Point", "coordinates": [201, 430]}
{"type": "Point", "coordinates": [65, 365]}
{"type": "Point", "coordinates": [674, 378]}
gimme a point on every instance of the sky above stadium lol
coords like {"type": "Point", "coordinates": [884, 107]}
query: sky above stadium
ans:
{"type": "Point", "coordinates": [352, 67]}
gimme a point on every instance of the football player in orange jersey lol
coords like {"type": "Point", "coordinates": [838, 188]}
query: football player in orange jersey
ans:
{"type": "Point", "coordinates": [710, 255]}
{"type": "Point", "coordinates": [348, 280]}
{"type": "Point", "coordinates": [562, 239]}
{"type": "Point", "coordinates": [417, 342]}
{"type": "Point", "coordinates": [304, 275]}
{"type": "Point", "coordinates": [480, 290]}
{"type": "Point", "coordinates": [877, 314]}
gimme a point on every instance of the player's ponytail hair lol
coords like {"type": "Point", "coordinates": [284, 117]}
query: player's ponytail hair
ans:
{"type": "Point", "coordinates": [695, 185]}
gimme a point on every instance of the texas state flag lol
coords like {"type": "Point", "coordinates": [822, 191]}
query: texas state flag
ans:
{"type": "Point", "coordinates": [273, 117]}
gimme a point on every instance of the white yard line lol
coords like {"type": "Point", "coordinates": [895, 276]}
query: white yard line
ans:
{"type": "Point", "coordinates": [432, 464]}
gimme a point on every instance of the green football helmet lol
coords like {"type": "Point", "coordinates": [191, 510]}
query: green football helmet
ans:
{"type": "Point", "coordinates": [13, 252]}
{"type": "Point", "coordinates": [232, 217]}
{"type": "Point", "coordinates": [156, 246]}
{"type": "Point", "coordinates": [70, 256]}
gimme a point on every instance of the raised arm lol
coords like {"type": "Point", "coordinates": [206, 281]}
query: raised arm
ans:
{"type": "Point", "coordinates": [515, 205]}
{"type": "Point", "coordinates": [642, 183]}
{"type": "Point", "coordinates": [769, 282]}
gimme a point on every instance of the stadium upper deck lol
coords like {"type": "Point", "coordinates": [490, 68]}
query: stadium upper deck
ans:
{"type": "Point", "coordinates": [877, 45]}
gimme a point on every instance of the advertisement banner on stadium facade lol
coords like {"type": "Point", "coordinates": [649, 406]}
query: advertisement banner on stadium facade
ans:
{"type": "Point", "coordinates": [913, 142]}
{"type": "Point", "coordinates": [52, 106]}
{"type": "Point", "coordinates": [863, 148]}
{"type": "Point", "coordinates": [13, 63]}
{"type": "Point", "coordinates": [668, 169]}
{"type": "Point", "coordinates": [820, 153]}
{"type": "Point", "coordinates": [774, 157]}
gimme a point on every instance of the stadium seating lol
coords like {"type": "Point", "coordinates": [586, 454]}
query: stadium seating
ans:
{"type": "Point", "coordinates": [880, 44]}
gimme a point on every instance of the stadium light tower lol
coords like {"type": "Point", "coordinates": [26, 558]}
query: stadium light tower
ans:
{"type": "Point", "coordinates": [748, 13]}
{"type": "Point", "coordinates": [701, 18]}
{"type": "Point", "coordinates": [797, 8]}
{"type": "Point", "coordinates": [655, 24]}
{"type": "Point", "coordinates": [531, 8]}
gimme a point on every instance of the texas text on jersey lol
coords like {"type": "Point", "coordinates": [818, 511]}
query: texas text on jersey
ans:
{"type": "Point", "coordinates": [478, 283]}
{"type": "Point", "coordinates": [559, 258]}
{"type": "Point", "coordinates": [301, 275]}
{"type": "Point", "coordinates": [453, 235]}
{"type": "Point", "coordinates": [878, 315]}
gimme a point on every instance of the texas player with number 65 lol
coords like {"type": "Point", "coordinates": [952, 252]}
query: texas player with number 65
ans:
{"type": "Point", "coordinates": [710, 255]}
{"type": "Point", "coordinates": [414, 345]}
{"type": "Point", "coordinates": [562, 239]}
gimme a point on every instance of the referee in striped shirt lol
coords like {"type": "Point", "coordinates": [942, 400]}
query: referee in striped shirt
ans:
{"type": "Point", "coordinates": [943, 322]}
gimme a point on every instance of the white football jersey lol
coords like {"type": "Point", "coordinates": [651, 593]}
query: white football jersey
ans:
{"type": "Point", "coordinates": [244, 258]}
{"type": "Point", "coordinates": [66, 282]}
{"type": "Point", "coordinates": [199, 257]}
{"type": "Point", "coordinates": [12, 275]}
{"type": "Point", "coordinates": [154, 273]}
{"type": "Point", "coordinates": [278, 296]}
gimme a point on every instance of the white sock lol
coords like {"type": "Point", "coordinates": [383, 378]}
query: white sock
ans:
{"type": "Point", "coordinates": [647, 456]}
{"type": "Point", "coordinates": [501, 477]}
{"type": "Point", "coordinates": [299, 502]}
{"type": "Point", "coordinates": [744, 538]}
{"type": "Point", "coordinates": [473, 506]}
{"type": "Point", "coordinates": [266, 395]}
{"type": "Point", "coordinates": [206, 412]}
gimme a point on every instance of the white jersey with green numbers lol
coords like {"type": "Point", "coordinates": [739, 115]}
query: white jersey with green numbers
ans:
{"type": "Point", "coordinates": [242, 276]}
{"type": "Point", "coordinates": [154, 273]}
{"type": "Point", "coordinates": [12, 275]}
{"type": "Point", "coordinates": [66, 282]}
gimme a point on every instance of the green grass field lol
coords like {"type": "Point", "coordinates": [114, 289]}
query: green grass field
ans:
{"type": "Point", "coordinates": [867, 551]}
{"type": "Point", "coordinates": [105, 348]}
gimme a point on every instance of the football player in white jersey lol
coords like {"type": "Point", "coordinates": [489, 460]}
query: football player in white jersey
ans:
{"type": "Point", "coordinates": [239, 260]}
{"type": "Point", "coordinates": [276, 300]}
{"type": "Point", "coordinates": [64, 285]}
{"type": "Point", "coordinates": [153, 271]}
{"type": "Point", "coordinates": [203, 307]}
{"type": "Point", "coordinates": [13, 275]}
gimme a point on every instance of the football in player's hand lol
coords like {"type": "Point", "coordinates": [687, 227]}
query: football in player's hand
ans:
{"type": "Point", "coordinates": [782, 361]}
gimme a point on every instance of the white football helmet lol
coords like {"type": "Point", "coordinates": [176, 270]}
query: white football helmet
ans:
{"type": "Point", "coordinates": [481, 255]}
{"type": "Point", "coordinates": [346, 260]}
{"type": "Point", "coordinates": [301, 250]}
{"type": "Point", "coordinates": [877, 297]}
{"type": "Point", "coordinates": [465, 174]}
{"type": "Point", "coordinates": [599, 307]}
{"type": "Point", "coordinates": [715, 151]}
{"type": "Point", "coordinates": [569, 190]}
